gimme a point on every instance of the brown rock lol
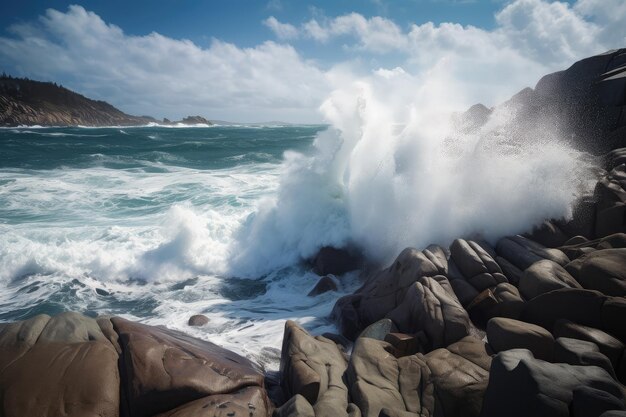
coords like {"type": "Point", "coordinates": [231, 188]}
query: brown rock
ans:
{"type": "Point", "coordinates": [164, 369]}
{"type": "Point", "coordinates": [506, 334]}
{"type": "Point", "coordinates": [544, 276]}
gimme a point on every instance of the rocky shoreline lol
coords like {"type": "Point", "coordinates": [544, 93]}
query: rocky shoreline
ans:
{"type": "Point", "coordinates": [25, 102]}
{"type": "Point", "coordinates": [534, 325]}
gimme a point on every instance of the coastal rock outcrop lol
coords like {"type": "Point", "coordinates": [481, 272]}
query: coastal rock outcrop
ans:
{"type": "Point", "coordinates": [112, 367]}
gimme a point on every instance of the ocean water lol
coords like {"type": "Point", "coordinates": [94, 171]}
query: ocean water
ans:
{"type": "Point", "coordinates": [157, 224]}
{"type": "Point", "coordinates": [138, 222]}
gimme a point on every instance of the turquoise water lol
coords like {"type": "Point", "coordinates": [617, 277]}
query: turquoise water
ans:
{"type": "Point", "coordinates": [140, 222]}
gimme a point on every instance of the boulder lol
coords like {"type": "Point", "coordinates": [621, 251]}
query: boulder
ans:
{"type": "Point", "coordinates": [379, 329]}
{"type": "Point", "coordinates": [602, 270]}
{"type": "Point", "coordinates": [247, 401]}
{"type": "Point", "coordinates": [506, 334]}
{"type": "Point", "coordinates": [502, 301]}
{"type": "Point", "coordinates": [296, 406]}
{"type": "Point", "coordinates": [607, 344]}
{"type": "Point", "coordinates": [512, 273]}
{"type": "Point", "coordinates": [335, 261]}
{"type": "Point", "coordinates": [198, 320]}
{"type": "Point", "coordinates": [57, 366]}
{"type": "Point", "coordinates": [522, 386]}
{"type": "Point", "coordinates": [378, 380]}
{"type": "Point", "coordinates": [325, 284]}
{"type": "Point", "coordinates": [476, 265]}
{"type": "Point", "coordinates": [428, 308]}
{"type": "Point", "coordinates": [548, 234]}
{"type": "Point", "coordinates": [544, 276]}
{"type": "Point", "coordinates": [580, 306]}
{"type": "Point", "coordinates": [313, 368]}
{"type": "Point", "coordinates": [581, 352]}
{"type": "Point", "coordinates": [591, 402]}
{"type": "Point", "coordinates": [579, 246]}
{"type": "Point", "coordinates": [163, 370]}
{"type": "Point", "coordinates": [382, 292]}
{"type": "Point", "coordinates": [460, 374]}
{"type": "Point", "coordinates": [523, 252]}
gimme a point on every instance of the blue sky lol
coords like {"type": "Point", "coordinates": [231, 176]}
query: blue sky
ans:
{"type": "Point", "coordinates": [260, 60]}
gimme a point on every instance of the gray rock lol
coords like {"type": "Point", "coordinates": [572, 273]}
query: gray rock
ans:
{"type": "Point", "coordinates": [324, 284]}
{"type": "Point", "coordinates": [591, 402]}
{"type": "Point", "coordinates": [198, 320]}
{"type": "Point", "coordinates": [540, 388]}
{"type": "Point", "coordinates": [602, 270]}
{"type": "Point", "coordinates": [379, 329]}
{"type": "Point", "coordinates": [460, 374]}
{"type": "Point", "coordinates": [523, 252]}
{"type": "Point", "coordinates": [544, 276]}
{"type": "Point", "coordinates": [428, 308]}
{"type": "Point", "coordinates": [581, 352]}
{"type": "Point", "coordinates": [476, 265]}
{"type": "Point", "coordinates": [382, 292]}
{"type": "Point", "coordinates": [505, 334]}
{"type": "Point", "coordinates": [607, 344]}
{"type": "Point", "coordinates": [378, 380]}
{"type": "Point", "coordinates": [314, 368]}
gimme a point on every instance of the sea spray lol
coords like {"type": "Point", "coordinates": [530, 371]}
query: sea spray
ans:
{"type": "Point", "coordinates": [397, 168]}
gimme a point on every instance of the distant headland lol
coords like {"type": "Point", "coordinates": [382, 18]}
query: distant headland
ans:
{"type": "Point", "coordinates": [29, 102]}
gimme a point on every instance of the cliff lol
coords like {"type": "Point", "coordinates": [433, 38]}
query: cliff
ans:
{"type": "Point", "coordinates": [28, 102]}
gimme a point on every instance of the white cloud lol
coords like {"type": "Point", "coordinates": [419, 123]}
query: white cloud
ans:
{"type": "Point", "coordinates": [167, 77]}
{"type": "Point", "coordinates": [376, 34]}
{"type": "Point", "coordinates": [170, 77]}
{"type": "Point", "coordinates": [281, 30]}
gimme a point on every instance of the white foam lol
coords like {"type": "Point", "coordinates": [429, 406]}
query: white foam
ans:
{"type": "Point", "coordinates": [392, 173]}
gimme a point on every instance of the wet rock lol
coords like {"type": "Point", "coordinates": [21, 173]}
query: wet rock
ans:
{"type": "Point", "coordinates": [379, 329]}
{"type": "Point", "coordinates": [198, 320]}
{"type": "Point", "coordinates": [548, 234]}
{"type": "Point", "coordinates": [476, 265]}
{"type": "Point", "coordinates": [325, 284]}
{"type": "Point", "coordinates": [607, 344]}
{"type": "Point", "coordinates": [506, 334]}
{"type": "Point", "coordinates": [313, 368]}
{"type": "Point", "coordinates": [540, 388]}
{"type": "Point", "coordinates": [502, 301]}
{"type": "Point", "coordinates": [296, 406]}
{"type": "Point", "coordinates": [163, 369]}
{"type": "Point", "coordinates": [335, 261]}
{"type": "Point", "coordinates": [591, 402]}
{"type": "Point", "coordinates": [580, 306]}
{"type": "Point", "coordinates": [581, 352]}
{"type": "Point", "coordinates": [382, 292]}
{"type": "Point", "coordinates": [378, 380]}
{"type": "Point", "coordinates": [575, 249]}
{"type": "Point", "coordinates": [247, 401]}
{"type": "Point", "coordinates": [544, 276]}
{"type": "Point", "coordinates": [602, 270]}
{"type": "Point", "coordinates": [512, 273]}
{"type": "Point", "coordinates": [428, 308]}
{"type": "Point", "coordinates": [523, 252]}
{"type": "Point", "coordinates": [460, 374]}
{"type": "Point", "coordinates": [58, 366]}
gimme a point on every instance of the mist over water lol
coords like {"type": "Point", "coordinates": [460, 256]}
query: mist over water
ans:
{"type": "Point", "coordinates": [398, 168]}
{"type": "Point", "coordinates": [158, 224]}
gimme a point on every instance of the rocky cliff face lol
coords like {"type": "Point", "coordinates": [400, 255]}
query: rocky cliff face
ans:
{"type": "Point", "coordinates": [27, 102]}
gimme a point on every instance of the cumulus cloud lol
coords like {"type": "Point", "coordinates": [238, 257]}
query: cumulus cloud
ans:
{"type": "Point", "coordinates": [281, 30]}
{"type": "Point", "coordinates": [272, 80]}
{"type": "Point", "coordinates": [165, 76]}
{"type": "Point", "coordinates": [531, 38]}
{"type": "Point", "coordinates": [376, 34]}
